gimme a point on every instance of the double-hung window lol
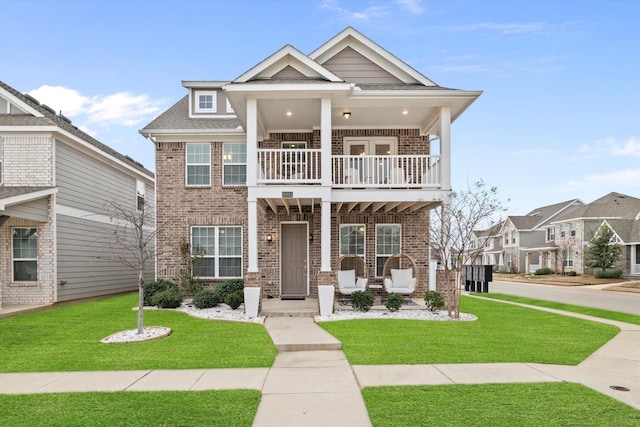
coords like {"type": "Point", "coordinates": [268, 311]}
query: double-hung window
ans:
{"type": "Point", "coordinates": [387, 244]}
{"type": "Point", "coordinates": [562, 230]}
{"type": "Point", "coordinates": [140, 187]}
{"type": "Point", "coordinates": [221, 249]}
{"type": "Point", "coordinates": [198, 168]}
{"type": "Point", "coordinates": [352, 239]}
{"type": "Point", "coordinates": [234, 164]}
{"type": "Point", "coordinates": [25, 254]}
{"type": "Point", "coordinates": [551, 234]}
{"type": "Point", "coordinates": [206, 101]}
{"type": "Point", "coordinates": [572, 228]}
{"type": "Point", "coordinates": [568, 258]}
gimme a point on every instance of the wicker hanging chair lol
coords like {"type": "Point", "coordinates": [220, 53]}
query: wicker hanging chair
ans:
{"type": "Point", "coordinates": [351, 274]}
{"type": "Point", "coordinates": [404, 277]}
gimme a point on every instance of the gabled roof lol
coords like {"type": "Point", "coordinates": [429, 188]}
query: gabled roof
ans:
{"type": "Point", "coordinates": [611, 206]}
{"type": "Point", "coordinates": [627, 230]}
{"type": "Point", "coordinates": [39, 115]}
{"type": "Point", "coordinates": [16, 195]}
{"type": "Point", "coordinates": [541, 216]}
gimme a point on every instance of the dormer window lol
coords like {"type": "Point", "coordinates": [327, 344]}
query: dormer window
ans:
{"type": "Point", "coordinates": [206, 101]}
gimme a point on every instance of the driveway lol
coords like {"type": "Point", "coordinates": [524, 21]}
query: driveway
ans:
{"type": "Point", "coordinates": [588, 296]}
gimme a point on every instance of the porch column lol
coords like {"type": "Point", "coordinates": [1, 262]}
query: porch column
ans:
{"type": "Point", "coordinates": [445, 147]}
{"type": "Point", "coordinates": [252, 235]}
{"type": "Point", "coordinates": [325, 243]}
{"type": "Point", "coordinates": [325, 141]}
{"type": "Point", "coordinates": [252, 141]}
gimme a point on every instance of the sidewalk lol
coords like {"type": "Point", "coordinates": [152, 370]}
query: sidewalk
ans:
{"type": "Point", "coordinates": [312, 384]}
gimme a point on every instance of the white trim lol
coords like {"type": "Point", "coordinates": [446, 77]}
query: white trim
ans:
{"type": "Point", "coordinates": [214, 101]}
{"type": "Point", "coordinates": [375, 239]}
{"type": "Point", "coordinates": [19, 103]}
{"type": "Point", "coordinates": [224, 164]}
{"type": "Point", "coordinates": [187, 164]}
{"type": "Point", "coordinates": [13, 259]}
{"type": "Point", "coordinates": [216, 248]}
{"type": "Point", "coordinates": [27, 197]}
{"type": "Point", "coordinates": [364, 236]}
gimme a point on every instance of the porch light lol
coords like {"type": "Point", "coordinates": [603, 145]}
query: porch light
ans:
{"type": "Point", "coordinates": [269, 238]}
{"type": "Point", "coordinates": [346, 114]}
{"type": "Point", "coordinates": [310, 237]}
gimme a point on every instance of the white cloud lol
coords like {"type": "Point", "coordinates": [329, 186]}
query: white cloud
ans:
{"type": "Point", "coordinates": [412, 6]}
{"type": "Point", "coordinates": [610, 147]}
{"type": "Point", "coordinates": [120, 108]}
{"type": "Point", "coordinates": [616, 179]}
{"type": "Point", "coordinates": [511, 28]}
{"type": "Point", "coordinates": [364, 15]}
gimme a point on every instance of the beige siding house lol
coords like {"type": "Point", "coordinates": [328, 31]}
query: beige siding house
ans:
{"type": "Point", "coordinates": [56, 186]}
{"type": "Point", "coordinates": [300, 160]}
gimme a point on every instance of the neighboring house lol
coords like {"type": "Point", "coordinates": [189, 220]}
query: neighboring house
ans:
{"type": "Point", "coordinates": [569, 234]}
{"type": "Point", "coordinates": [487, 245]}
{"type": "Point", "coordinates": [626, 233]}
{"type": "Point", "coordinates": [56, 184]}
{"type": "Point", "coordinates": [301, 159]}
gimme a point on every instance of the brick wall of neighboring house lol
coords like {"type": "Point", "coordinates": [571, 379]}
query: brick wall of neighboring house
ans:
{"type": "Point", "coordinates": [27, 161]}
{"type": "Point", "coordinates": [572, 243]}
{"type": "Point", "coordinates": [39, 292]}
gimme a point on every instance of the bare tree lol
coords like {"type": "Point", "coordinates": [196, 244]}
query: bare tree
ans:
{"type": "Point", "coordinates": [133, 243]}
{"type": "Point", "coordinates": [452, 227]}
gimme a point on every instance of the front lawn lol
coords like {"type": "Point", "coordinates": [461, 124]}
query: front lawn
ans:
{"type": "Point", "coordinates": [502, 333]}
{"type": "Point", "coordinates": [169, 408]}
{"type": "Point", "coordinates": [532, 404]}
{"type": "Point", "coordinates": [67, 339]}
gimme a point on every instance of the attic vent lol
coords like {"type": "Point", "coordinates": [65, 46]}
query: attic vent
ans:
{"type": "Point", "coordinates": [49, 109]}
{"type": "Point", "coordinates": [31, 98]}
{"type": "Point", "coordinates": [65, 118]}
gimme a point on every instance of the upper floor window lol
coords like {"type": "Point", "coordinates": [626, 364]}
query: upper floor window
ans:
{"type": "Point", "coordinates": [221, 251]}
{"type": "Point", "coordinates": [140, 187]}
{"type": "Point", "coordinates": [563, 231]}
{"type": "Point", "coordinates": [573, 229]}
{"type": "Point", "coordinates": [506, 238]}
{"type": "Point", "coordinates": [551, 234]}
{"type": "Point", "coordinates": [234, 164]}
{"type": "Point", "coordinates": [387, 244]}
{"type": "Point", "coordinates": [25, 254]}
{"type": "Point", "coordinates": [352, 239]}
{"type": "Point", "coordinates": [206, 101]}
{"type": "Point", "coordinates": [513, 237]}
{"type": "Point", "coordinates": [198, 168]}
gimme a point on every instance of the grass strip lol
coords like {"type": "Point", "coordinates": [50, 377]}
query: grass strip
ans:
{"type": "Point", "coordinates": [171, 408]}
{"type": "Point", "coordinates": [595, 312]}
{"type": "Point", "coordinates": [531, 404]}
{"type": "Point", "coordinates": [502, 333]}
{"type": "Point", "coordinates": [68, 339]}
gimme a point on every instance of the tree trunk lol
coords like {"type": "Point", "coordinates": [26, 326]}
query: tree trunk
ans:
{"type": "Point", "coordinates": [141, 302]}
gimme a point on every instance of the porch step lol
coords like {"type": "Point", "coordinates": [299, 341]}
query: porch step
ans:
{"type": "Point", "coordinates": [299, 334]}
{"type": "Point", "coordinates": [276, 307]}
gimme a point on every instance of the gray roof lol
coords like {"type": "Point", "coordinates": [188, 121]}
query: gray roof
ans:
{"type": "Point", "coordinates": [613, 205]}
{"type": "Point", "coordinates": [52, 119]}
{"type": "Point", "coordinates": [627, 229]}
{"type": "Point", "coordinates": [524, 222]}
{"type": "Point", "coordinates": [177, 118]}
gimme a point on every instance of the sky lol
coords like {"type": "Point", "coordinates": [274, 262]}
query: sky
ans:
{"type": "Point", "coordinates": [559, 117]}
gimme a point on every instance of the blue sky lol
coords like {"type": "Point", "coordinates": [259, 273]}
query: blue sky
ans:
{"type": "Point", "coordinates": [559, 117]}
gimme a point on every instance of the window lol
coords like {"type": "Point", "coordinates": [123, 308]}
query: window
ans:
{"type": "Point", "coordinates": [551, 234]}
{"type": "Point", "coordinates": [25, 254]}
{"type": "Point", "coordinates": [222, 251]}
{"type": "Point", "coordinates": [509, 260]}
{"type": "Point", "coordinates": [573, 229]}
{"type": "Point", "coordinates": [387, 244]}
{"type": "Point", "coordinates": [513, 237]}
{"type": "Point", "coordinates": [506, 238]}
{"type": "Point", "coordinates": [198, 164]}
{"type": "Point", "coordinates": [568, 258]}
{"type": "Point", "coordinates": [352, 239]}
{"type": "Point", "coordinates": [139, 195]}
{"type": "Point", "coordinates": [206, 101]}
{"type": "Point", "coordinates": [234, 160]}
{"type": "Point", "coordinates": [562, 230]}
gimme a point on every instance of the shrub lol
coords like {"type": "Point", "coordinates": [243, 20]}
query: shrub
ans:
{"type": "Point", "coordinates": [433, 300]}
{"type": "Point", "coordinates": [234, 299]}
{"type": "Point", "coordinates": [228, 286]}
{"type": "Point", "coordinates": [609, 274]}
{"type": "Point", "coordinates": [189, 285]}
{"type": "Point", "coordinates": [169, 298]}
{"type": "Point", "coordinates": [543, 271]}
{"type": "Point", "coordinates": [362, 300]}
{"type": "Point", "coordinates": [394, 302]}
{"type": "Point", "coordinates": [571, 273]}
{"type": "Point", "coordinates": [152, 288]}
{"type": "Point", "coordinates": [205, 299]}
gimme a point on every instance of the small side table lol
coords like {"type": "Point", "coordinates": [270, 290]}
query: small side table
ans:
{"type": "Point", "coordinates": [377, 290]}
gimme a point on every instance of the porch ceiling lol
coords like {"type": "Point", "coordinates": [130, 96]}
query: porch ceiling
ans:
{"type": "Point", "coordinates": [297, 205]}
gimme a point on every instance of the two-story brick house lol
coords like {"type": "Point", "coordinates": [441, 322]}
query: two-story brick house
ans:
{"type": "Point", "coordinates": [301, 159]}
{"type": "Point", "coordinates": [56, 228]}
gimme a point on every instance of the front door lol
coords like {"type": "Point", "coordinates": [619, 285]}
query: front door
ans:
{"type": "Point", "coordinates": [293, 259]}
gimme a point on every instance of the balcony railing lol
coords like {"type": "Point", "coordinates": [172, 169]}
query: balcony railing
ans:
{"type": "Point", "coordinates": [289, 166]}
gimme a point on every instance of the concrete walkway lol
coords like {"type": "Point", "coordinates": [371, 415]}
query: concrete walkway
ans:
{"type": "Point", "coordinates": [312, 384]}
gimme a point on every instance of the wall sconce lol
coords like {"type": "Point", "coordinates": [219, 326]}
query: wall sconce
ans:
{"type": "Point", "coordinates": [310, 237]}
{"type": "Point", "coordinates": [269, 238]}
{"type": "Point", "coordinates": [346, 114]}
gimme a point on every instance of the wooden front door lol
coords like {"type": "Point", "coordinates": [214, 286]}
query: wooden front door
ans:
{"type": "Point", "coordinates": [293, 259]}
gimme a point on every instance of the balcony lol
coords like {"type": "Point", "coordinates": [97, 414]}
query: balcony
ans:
{"type": "Point", "coordinates": [303, 166]}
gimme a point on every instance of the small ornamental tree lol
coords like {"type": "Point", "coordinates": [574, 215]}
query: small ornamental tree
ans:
{"type": "Point", "coordinates": [602, 252]}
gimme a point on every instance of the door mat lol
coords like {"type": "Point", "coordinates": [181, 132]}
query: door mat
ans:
{"type": "Point", "coordinates": [292, 298]}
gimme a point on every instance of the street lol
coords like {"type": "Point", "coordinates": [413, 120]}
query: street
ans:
{"type": "Point", "coordinates": [588, 296]}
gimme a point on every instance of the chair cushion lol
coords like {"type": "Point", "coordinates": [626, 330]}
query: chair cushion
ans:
{"type": "Point", "coordinates": [401, 278]}
{"type": "Point", "coordinates": [346, 279]}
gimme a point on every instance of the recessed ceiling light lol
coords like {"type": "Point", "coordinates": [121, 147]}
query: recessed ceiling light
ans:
{"type": "Point", "coordinates": [289, 114]}
{"type": "Point", "coordinates": [346, 114]}
{"type": "Point", "coordinates": [405, 112]}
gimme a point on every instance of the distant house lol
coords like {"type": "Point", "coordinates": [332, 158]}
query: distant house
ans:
{"type": "Point", "coordinates": [302, 159]}
{"type": "Point", "coordinates": [626, 233]}
{"type": "Point", "coordinates": [56, 185]}
{"type": "Point", "coordinates": [569, 234]}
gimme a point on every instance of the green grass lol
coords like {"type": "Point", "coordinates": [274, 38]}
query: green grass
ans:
{"type": "Point", "coordinates": [67, 339]}
{"type": "Point", "coordinates": [596, 312]}
{"type": "Point", "coordinates": [175, 408]}
{"type": "Point", "coordinates": [502, 333]}
{"type": "Point", "coordinates": [533, 404]}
